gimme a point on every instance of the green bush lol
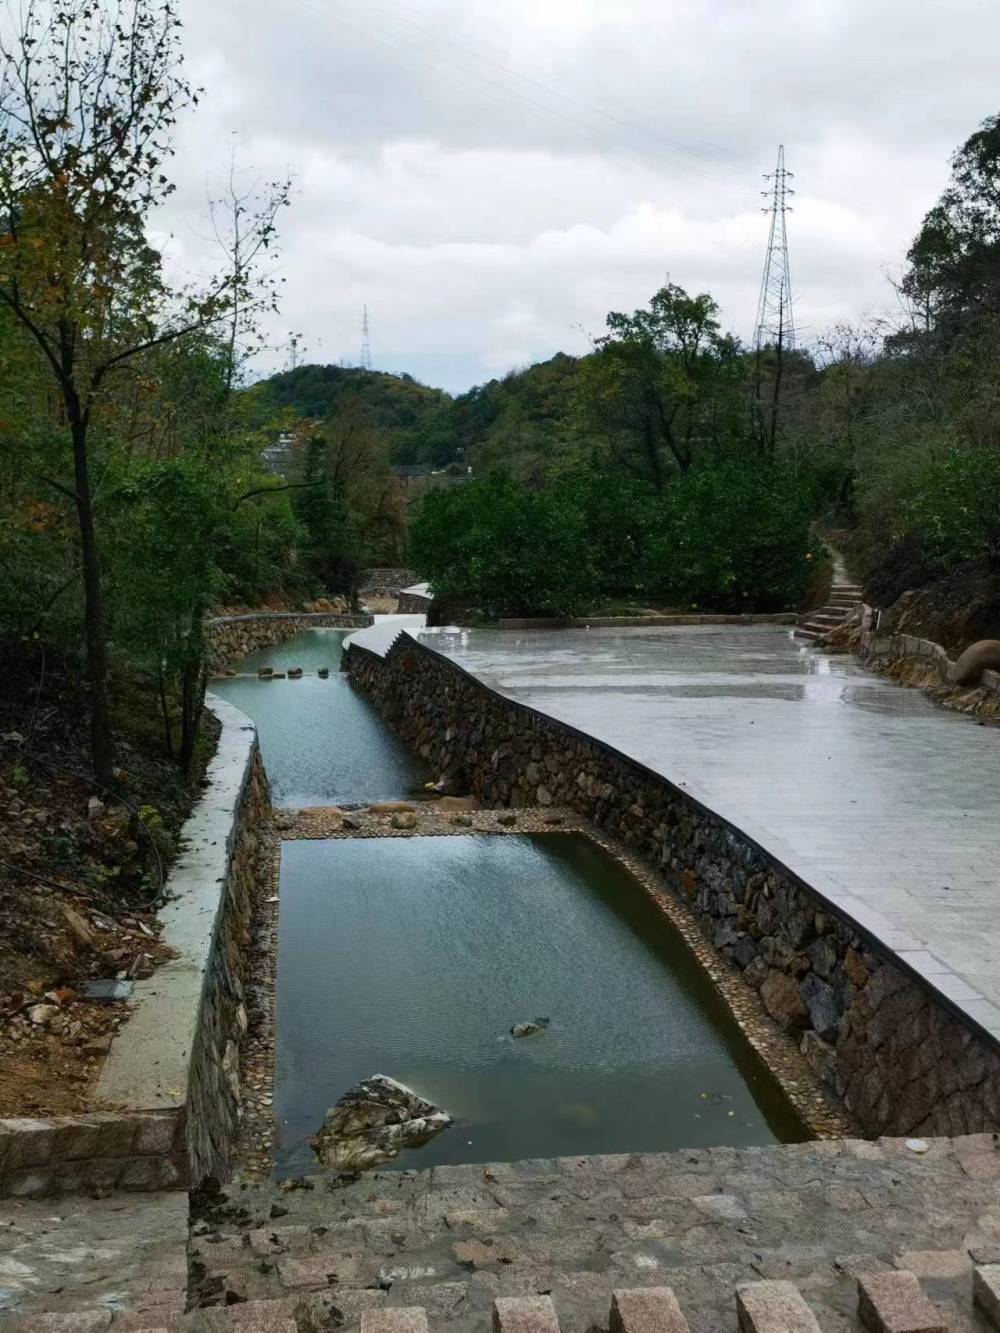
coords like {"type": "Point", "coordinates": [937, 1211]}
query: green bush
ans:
{"type": "Point", "coordinates": [734, 537]}
{"type": "Point", "coordinates": [506, 549]}
{"type": "Point", "coordinates": [956, 507]}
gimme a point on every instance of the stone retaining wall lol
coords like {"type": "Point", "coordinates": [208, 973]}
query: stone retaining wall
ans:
{"type": "Point", "coordinates": [74, 1154]}
{"type": "Point", "coordinates": [877, 1034]}
{"type": "Point", "coordinates": [169, 1090]}
{"type": "Point", "coordinates": [907, 646]}
{"type": "Point", "coordinates": [414, 603]}
{"type": "Point", "coordinates": [228, 638]}
{"type": "Point", "coordinates": [214, 1098]}
{"type": "Point", "coordinates": [386, 582]}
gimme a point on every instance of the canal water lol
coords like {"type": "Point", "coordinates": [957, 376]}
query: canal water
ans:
{"type": "Point", "coordinates": [414, 957]}
{"type": "Point", "coordinates": [321, 740]}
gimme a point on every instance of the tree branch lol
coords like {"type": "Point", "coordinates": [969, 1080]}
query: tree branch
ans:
{"type": "Point", "coordinates": [58, 486]}
{"type": "Point", "coordinates": [276, 490]}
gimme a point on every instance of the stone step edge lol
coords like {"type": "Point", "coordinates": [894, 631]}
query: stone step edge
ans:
{"type": "Point", "coordinates": [71, 1154]}
{"type": "Point", "coordinates": [889, 1301]}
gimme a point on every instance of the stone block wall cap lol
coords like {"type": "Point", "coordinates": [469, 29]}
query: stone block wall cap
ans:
{"type": "Point", "coordinates": [773, 1307]}
{"type": "Point", "coordinates": [646, 1310]}
{"type": "Point", "coordinates": [894, 1302]}
{"type": "Point", "coordinates": [524, 1314]}
{"type": "Point", "coordinates": [986, 1291]}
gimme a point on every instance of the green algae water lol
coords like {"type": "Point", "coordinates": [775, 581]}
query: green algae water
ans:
{"type": "Point", "coordinates": [414, 957]}
{"type": "Point", "coordinates": [321, 740]}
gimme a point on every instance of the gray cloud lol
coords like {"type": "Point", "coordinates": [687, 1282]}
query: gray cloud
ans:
{"type": "Point", "coordinates": [487, 178]}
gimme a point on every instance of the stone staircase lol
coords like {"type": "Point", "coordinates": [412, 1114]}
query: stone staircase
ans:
{"type": "Point", "coordinates": [778, 1239]}
{"type": "Point", "coordinates": [845, 597]}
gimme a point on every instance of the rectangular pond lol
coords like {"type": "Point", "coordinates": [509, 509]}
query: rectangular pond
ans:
{"type": "Point", "coordinates": [414, 957]}
{"type": "Point", "coordinates": [322, 742]}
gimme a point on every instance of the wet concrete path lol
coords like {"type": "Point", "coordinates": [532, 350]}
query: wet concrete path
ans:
{"type": "Point", "coordinates": [886, 804]}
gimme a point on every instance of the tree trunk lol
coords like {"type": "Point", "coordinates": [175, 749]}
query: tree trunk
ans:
{"type": "Point", "coordinates": [101, 743]}
{"type": "Point", "coordinates": [168, 740]}
{"type": "Point", "coordinates": [192, 702]}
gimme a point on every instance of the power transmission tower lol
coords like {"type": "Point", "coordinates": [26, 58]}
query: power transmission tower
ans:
{"type": "Point", "coordinates": [366, 346]}
{"type": "Point", "coordinates": [775, 327]}
{"type": "Point", "coordinates": [774, 308]}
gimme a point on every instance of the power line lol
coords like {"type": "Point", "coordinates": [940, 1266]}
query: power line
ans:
{"type": "Point", "coordinates": [433, 56]}
{"type": "Point", "coordinates": [707, 151]}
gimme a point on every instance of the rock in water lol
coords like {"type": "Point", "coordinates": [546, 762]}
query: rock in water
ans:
{"type": "Point", "coordinates": [529, 1029]}
{"type": "Point", "coordinates": [373, 1122]}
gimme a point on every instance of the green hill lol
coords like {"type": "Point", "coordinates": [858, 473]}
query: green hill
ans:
{"type": "Point", "coordinates": [417, 421]}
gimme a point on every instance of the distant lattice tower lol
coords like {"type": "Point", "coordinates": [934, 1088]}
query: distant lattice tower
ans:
{"type": "Point", "coordinates": [775, 322]}
{"type": "Point", "coordinates": [366, 346]}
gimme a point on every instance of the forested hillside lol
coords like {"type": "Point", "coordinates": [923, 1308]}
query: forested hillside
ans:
{"type": "Point", "coordinates": [414, 422]}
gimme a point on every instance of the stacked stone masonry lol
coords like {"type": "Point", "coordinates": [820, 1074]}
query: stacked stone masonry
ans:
{"type": "Point", "coordinates": [214, 1097]}
{"type": "Point", "coordinates": [906, 646]}
{"type": "Point", "coordinates": [386, 582]}
{"type": "Point", "coordinates": [229, 638]}
{"type": "Point", "coordinates": [893, 1051]}
{"type": "Point", "coordinates": [97, 1152]}
{"type": "Point", "coordinates": [412, 603]}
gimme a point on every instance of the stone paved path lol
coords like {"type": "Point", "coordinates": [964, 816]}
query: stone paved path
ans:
{"type": "Point", "coordinates": [110, 1257]}
{"type": "Point", "coordinates": [450, 1240]}
{"type": "Point", "coordinates": [883, 802]}
{"type": "Point", "coordinates": [453, 1239]}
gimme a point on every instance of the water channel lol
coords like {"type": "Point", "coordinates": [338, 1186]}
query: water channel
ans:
{"type": "Point", "coordinates": [413, 957]}
{"type": "Point", "coordinates": [323, 743]}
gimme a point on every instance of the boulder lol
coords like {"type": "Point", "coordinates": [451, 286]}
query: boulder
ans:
{"type": "Point", "coordinates": [373, 1122]}
{"type": "Point", "coordinates": [979, 657]}
{"type": "Point", "coordinates": [323, 673]}
{"type": "Point", "coordinates": [529, 1029]}
{"type": "Point", "coordinates": [265, 672]}
{"type": "Point", "coordinates": [391, 808]}
{"type": "Point", "coordinates": [457, 803]}
{"type": "Point", "coordinates": [294, 673]}
{"type": "Point", "coordinates": [406, 819]}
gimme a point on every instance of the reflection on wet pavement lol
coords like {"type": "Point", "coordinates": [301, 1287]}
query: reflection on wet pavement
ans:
{"type": "Point", "coordinates": [859, 785]}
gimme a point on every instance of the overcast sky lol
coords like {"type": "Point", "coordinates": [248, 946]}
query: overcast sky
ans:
{"type": "Point", "coordinates": [492, 176]}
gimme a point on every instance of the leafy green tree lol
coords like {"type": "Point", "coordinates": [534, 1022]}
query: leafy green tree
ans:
{"type": "Point", "coordinates": [954, 262]}
{"type": "Point", "coordinates": [665, 386]}
{"type": "Point", "coordinates": [89, 95]}
{"type": "Point", "coordinates": [166, 581]}
{"type": "Point", "coordinates": [332, 543]}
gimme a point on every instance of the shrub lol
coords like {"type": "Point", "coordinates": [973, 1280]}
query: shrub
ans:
{"type": "Point", "coordinates": [507, 549]}
{"type": "Point", "coordinates": [734, 537]}
{"type": "Point", "coordinates": [956, 507]}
